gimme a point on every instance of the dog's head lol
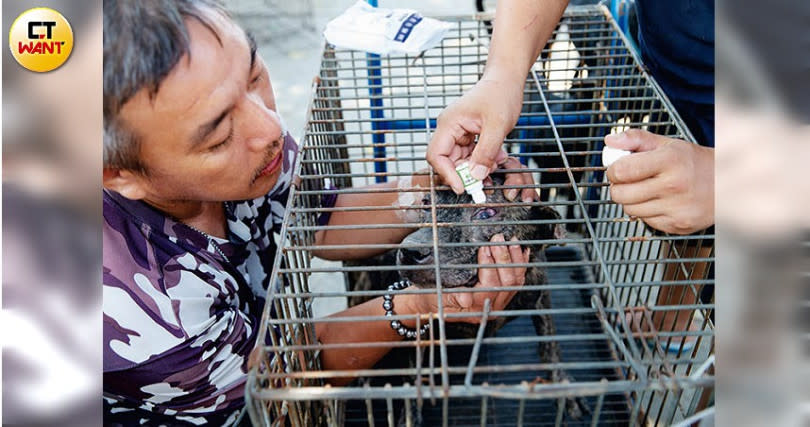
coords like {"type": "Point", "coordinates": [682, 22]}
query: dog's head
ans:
{"type": "Point", "coordinates": [516, 219]}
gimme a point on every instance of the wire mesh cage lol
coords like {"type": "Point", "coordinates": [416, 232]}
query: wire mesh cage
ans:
{"type": "Point", "coordinates": [632, 308]}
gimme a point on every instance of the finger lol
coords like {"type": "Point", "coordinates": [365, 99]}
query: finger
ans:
{"type": "Point", "coordinates": [661, 222]}
{"type": "Point", "coordinates": [637, 166]}
{"type": "Point", "coordinates": [635, 193]}
{"type": "Point", "coordinates": [647, 209]}
{"type": "Point", "coordinates": [465, 300]}
{"type": "Point", "coordinates": [502, 255]}
{"type": "Point", "coordinates": [502, 158]}
{"type": "Point", "coordinates": [636, 140]}
{"type": "Point", "coordinates": [518, 255]}
{"type": "Point", "coordinates": [443, 145]}
{"type": "Point", "coordinates": [672, 225]}
{"type": "Point", "coordinates": [447, 170]}
{"type": "Point", "coordinates": [484, 157]}
{"type": "Point", "coordinates": [528, 195]}
{"type": "Point", "coordinates": [487, 276]}
{"type": "Point", "coordinates": [513, 179]}
{"type": "Point", "coordinates": [519, 179]}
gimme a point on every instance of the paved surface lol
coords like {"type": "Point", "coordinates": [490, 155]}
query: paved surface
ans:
{"type": "Point", "coordinates": [290, 41]}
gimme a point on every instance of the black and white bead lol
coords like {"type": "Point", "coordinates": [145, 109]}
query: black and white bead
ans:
{"type": "Point", "coordinates": [388, 306]}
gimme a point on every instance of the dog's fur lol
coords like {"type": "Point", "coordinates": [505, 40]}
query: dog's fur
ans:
{"type": "Point", "coordinates": [516, 220]}
{"type": "Point", "coordinates": [526, 222]}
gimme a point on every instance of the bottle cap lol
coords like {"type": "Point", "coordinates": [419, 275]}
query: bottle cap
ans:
{"type": "Point", "coordinates": [478, 196]}
{"type": "Point", "coordinates": [610, 155]}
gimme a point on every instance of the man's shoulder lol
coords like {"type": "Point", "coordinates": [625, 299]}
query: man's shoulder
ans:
{"type": "Point", "coordinates": [149, 278]}
{"type": "Point", "coordinates": [135, 233]}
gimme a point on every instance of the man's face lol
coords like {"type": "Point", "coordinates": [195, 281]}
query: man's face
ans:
{"type": "Point", "coordinates": [211, 133]}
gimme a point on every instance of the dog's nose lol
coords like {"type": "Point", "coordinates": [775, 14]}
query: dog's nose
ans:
{"type": "Point", "coordinates": [415, 255]}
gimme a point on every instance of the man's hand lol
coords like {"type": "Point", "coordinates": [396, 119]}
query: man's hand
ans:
{"type": "Point", "coordinates": [471, 302]}
{"type": "Point", "coordinates": [491, 108]}
{"type": "Point", "coordinates": [668, 183]}
{"type": "Point", "coordinates": [518, 179]}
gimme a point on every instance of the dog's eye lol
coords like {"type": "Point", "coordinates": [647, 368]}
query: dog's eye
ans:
{"type": "Point", "coordinates": [484, 213]}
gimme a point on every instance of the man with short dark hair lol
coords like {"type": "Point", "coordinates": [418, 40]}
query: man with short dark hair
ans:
{"type": "Point", "coordinates": [197, 169]}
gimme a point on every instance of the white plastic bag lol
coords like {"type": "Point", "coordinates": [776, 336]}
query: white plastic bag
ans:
{"type": "Point", "coordinates": [384, 31]}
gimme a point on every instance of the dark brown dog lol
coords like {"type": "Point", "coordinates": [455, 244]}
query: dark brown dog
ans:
{"type": "Point", "coordinates": [458, 259]}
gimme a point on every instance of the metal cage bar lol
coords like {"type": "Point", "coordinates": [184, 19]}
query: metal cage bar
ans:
{"type": "Point", "coordinates": [631, 306]}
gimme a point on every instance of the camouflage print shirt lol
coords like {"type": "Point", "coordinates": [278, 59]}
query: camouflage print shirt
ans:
{"type": "Point", "coordinates": [179, 319]}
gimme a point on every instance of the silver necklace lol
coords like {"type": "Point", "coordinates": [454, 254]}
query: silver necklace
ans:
{"type": "Point", "coordinates": [210, 238]}
{"type": "Point", "coordinates": [211, 241]}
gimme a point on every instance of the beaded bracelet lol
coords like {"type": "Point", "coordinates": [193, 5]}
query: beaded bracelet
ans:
{"type": "Point", "coordinates": [388, 306]}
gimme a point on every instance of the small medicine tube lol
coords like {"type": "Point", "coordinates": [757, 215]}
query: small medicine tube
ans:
{"type": "Point", "coordinates": [474, 187]}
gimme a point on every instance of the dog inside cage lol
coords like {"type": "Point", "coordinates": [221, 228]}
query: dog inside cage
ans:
{"type": "Point", "coordinates": [609, 326]}
{"type": "Point", "coordinates": [470, 226]}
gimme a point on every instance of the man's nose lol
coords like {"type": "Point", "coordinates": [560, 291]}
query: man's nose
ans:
{"type": "Point", "coordinates": [262, 125]}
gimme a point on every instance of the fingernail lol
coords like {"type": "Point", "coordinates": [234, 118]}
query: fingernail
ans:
{"type": "Point", "coordinates": [479, 172]}
{"type": "Point", "coordinates": [497, 238]}
{"type": "Point", "coordinates": [511, 194]}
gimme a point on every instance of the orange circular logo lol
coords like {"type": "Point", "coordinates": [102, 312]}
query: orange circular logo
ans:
{"type": "Point", "coordinates": [40, 39]}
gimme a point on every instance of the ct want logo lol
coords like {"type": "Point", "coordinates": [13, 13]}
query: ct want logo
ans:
{"type": "Point", "coordinates": [40, 39]}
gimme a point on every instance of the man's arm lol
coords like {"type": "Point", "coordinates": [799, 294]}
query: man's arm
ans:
{"type": "Point", "coordinates": [522, 28]}
{"type": "Point", "coordinates": [394, 199]}
{"type": "Point", "coordinates": [492, 107]}
{"type": "Point", "coordinates": [380, 331]}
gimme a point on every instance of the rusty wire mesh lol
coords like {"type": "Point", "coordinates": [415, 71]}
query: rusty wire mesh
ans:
{"type": "Point", "coordinates": [370, 120]}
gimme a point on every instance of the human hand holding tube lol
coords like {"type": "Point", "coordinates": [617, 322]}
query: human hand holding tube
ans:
{"type": "Point", "coordinates": [667, 182]}
{"type": "Point", "coordinates": [491, 109]}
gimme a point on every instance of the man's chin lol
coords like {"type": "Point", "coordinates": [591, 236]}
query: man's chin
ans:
{"type": "Point", "coordinates": [263, 185]}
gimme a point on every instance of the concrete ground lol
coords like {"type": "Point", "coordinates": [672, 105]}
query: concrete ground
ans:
{"type": "Point", "coordinates": [290, 41]}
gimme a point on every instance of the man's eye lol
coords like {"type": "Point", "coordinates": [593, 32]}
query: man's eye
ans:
{"type": "Point", "coordinates": [220, 145]}
{"type": "Point", "coordinates": [484, 213]}
{"type": "Point", "coordinates": [223, 143]}
{"type": "Point", "coordinates": [258, 78]}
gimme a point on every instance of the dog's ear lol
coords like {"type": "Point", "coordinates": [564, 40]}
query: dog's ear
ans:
{"type": "Point", "coordinates": [550, 230]}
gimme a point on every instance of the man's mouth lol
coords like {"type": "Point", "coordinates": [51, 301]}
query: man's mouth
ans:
{"type": "Point", "coordinates": [272, 167]}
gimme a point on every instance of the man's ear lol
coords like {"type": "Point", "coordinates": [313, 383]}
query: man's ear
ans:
{"type": "Point", "coordinates": [125, 183]}
{"type": "Point", "coordinates": [550, 230]}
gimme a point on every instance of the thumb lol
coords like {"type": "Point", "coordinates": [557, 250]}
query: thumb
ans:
{"type": "Point", "coordinates": [635, 140]}
{"type": "Point", "coordinates": [464, 300]}
{"type": "Point", "coordinates": [487, 152]}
